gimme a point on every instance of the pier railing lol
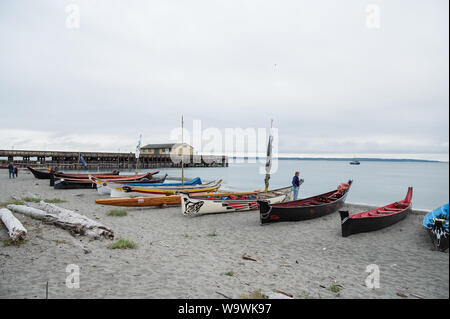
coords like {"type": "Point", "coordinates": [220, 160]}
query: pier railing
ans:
{"type": "Point", "coordinates": [104, 160]}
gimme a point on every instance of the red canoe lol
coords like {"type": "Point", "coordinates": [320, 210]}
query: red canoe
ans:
{"type": "Point", "coordinates": [116, 178]}
{"type": "Point", "coordinates": [377, 218]}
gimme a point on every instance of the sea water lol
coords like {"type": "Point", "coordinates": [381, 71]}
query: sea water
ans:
{"type": "Point", "coordinates": [374, 182]}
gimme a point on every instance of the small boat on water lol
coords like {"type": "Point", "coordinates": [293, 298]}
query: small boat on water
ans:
{"type": "Point", "coordinates": [233, 202]}
{"type": "Point", "coordinates": [436, 223]}
{"type": "Point", "coordinates": [303, 209]}
{"type": "Point", "coordinates": [106, 187]}
{"type": "Point", "coordinates": [45, 174]}
{"type": "Point", "coordinates": [355, 162]}
{"type": "Point", "coordinates": [377, 218]}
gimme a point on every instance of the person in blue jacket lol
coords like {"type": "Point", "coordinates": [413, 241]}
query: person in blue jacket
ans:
{"type": "Point", "coordinates": [296, 184]}
{"type": "Point", "coordinates": [11, 170]}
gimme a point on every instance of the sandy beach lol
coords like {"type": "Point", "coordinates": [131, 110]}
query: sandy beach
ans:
{"type": "Point", "coordinates": [182, 257]}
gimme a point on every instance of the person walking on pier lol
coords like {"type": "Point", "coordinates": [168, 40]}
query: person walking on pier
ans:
{"type": "Point", "coordinates": [296, 184]}
{"type": "Point", "coordinates": [11, 170]}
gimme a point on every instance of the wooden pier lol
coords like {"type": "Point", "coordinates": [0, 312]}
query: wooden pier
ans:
{"type": "Point", "coordinates": [102, 160]}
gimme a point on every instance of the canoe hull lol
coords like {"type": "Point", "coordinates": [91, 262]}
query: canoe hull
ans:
{"type": "Point", "coordinates": [151, 200]}
{"type": "Point", "coordinates": [108, 187]}
{"type": "Point", "coordinates": [436, 223]}
{"type": "Point", "coordinates": [39, 174]}
{"type": "Point", "coordinates": [78, 183]}
{"type": "Point", "coordinates": [135, 191]}
{"type": "Point", "coordinates": [107, 176]}
{"type": "Point", "coordinates": [192, 206]}
{"type": "Point", "coordinates": [439, 237]}
{"type": "Point", "coordinates": [273, 214]}
{"type": "Point", "coordinates": [375, 219]}
{"type": "Point", "coordinates": [141, 201]}
{"type": "Point", "coordinates": [363, 225]}
{"type": "Point", "coordinates": [276, 214]}
{"type": "Point", "coordinates": [62, 184]}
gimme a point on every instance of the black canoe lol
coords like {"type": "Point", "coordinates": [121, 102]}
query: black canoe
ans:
{"type": "Point", "coordinates": [73, 184]}
{"type": "Point", "coordinates": [303, 209]}
{"type": "Point", "coordinates": [80, 184]}
{"type": "Point", "coordinates": [377, 218]}
{"type": "Point", "coordinates": [40, 174]}
{"type": "Point", "coordinates": [46, 174]}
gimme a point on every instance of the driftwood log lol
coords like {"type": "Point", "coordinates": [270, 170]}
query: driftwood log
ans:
{"type": "Point", "coordinates": [66, 219]}
{"type": "Point", "coordinates": [16, 231]}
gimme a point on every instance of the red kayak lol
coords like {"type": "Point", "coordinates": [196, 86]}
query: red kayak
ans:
{"type": "Point", "coordinates": [116, 178]}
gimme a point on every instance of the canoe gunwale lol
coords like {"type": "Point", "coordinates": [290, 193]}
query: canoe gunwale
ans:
{"type": "Point", "coordinates": [178, 189]}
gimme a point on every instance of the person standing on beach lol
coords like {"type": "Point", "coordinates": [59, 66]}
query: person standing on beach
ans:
{"type": "Point", "coordinates": [11, 170]}
{"type": "Point", "coordinates": [16, 171]}
{"type": "Point", "coordinates": [296, 184]}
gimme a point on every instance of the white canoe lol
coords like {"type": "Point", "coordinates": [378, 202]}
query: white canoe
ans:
{"type": "Point", "coordinates": [191, 206]}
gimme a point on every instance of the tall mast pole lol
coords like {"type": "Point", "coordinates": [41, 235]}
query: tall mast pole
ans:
{"type": "Point", "coordinates": [138, 153]}
{"type": "Point", "coordinates": [268, 159]}
{"type": "Point", "coordinates": [182, 153]}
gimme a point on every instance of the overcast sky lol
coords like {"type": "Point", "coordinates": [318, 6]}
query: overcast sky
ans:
{"type": "Point", "coordinates": [331, 84]}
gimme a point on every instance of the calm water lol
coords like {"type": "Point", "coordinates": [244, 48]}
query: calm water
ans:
{"type": "Point", "coordinates": [375, 183]}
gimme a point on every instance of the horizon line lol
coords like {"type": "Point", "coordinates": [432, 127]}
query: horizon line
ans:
{"type": "Point", "coordinates": [413, 157]}
{"type": "Point", "coordinates": [363, 159]}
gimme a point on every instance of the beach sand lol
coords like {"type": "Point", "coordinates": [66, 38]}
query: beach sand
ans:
{"type": "Point", "coordinates": [183, 257]}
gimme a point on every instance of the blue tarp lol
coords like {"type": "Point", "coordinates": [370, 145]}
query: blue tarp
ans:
{"type": "Point", "coordinates": [439, 213]}
{"type": "Point", "coordinates": [195, 181]}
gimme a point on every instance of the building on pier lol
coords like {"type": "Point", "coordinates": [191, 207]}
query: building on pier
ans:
{"type": "Point", "coordinates": [167, 149]}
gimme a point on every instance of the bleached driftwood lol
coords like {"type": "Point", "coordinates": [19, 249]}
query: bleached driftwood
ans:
{"type": "Point", "coordinates": [16, 231]}
{"type": "Point", "coordinates": [64, 218]}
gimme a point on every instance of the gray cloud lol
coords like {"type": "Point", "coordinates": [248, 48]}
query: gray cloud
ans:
{"type": "Point", "coordinates": [330, 83]}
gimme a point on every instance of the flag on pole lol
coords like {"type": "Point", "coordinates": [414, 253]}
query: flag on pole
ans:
{"type": "Point", "coordinates": [138, 147]}
{"type": "Point", "coordinates": [268, 159]}
{"type": "Point", "coordinates": [83, 162]}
